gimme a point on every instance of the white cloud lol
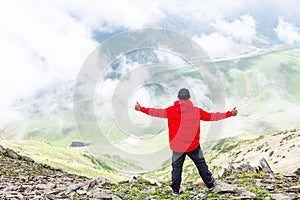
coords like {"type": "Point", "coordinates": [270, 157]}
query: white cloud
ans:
{"type": "Point", "coordinates": [215, 43]}
{"type": "Point", "coordinates": [287, 32]}
{"type": "Point", "coordinates": [227, 35]}
{"type": "Point", "coordinates": [115, 14]}
{"type": "Point", "coordinates": [46, 41]}
{"type": "Point", "coordinates": [242, 30]}
{"type": "Point", "coordinates": [169, 59]}
{"type": "Point", "coordinates": [200, 13]}
{"type": "Point", "coordinates": [40, 44]}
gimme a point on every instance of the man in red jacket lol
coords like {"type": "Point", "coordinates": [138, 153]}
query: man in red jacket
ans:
{"type": "Point", "coordinates": [184, 135]}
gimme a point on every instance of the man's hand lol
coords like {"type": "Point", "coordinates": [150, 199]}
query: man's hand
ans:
{"type": "Point", "coordinates": [137, 106]}
{"type": "Point", "coordinates": [234, 111]}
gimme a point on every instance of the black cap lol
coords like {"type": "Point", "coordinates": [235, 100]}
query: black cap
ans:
{"type": "Point", "coordinates": [184, 94]}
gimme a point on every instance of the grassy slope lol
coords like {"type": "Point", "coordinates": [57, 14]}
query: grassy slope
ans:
{"type": "Point", "coordinates": [72, 160]}
{"type": "Point", "coordinates": [280, 149]}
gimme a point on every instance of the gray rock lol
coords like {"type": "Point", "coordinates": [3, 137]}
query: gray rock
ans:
{"type": "Point", "coordinates": [41, 186]}
{"type": "Point", "coordinates": [231, 178]}
{"type": "Point", "coordinates": [72, 188]}
{"type": "Point", "coordinates": [11, 154]}
{"type": "Point", "coordinates": [106, 183]}
{"type": "Point", "coordinates": [78, 144]}
{"type": "Point", "coordinates": [81, 192]}
{"type": "Point", "coordinates": [14, 195]}
{"type": "Point", "coordinates": [265, 165]}
{"type": "Point", "coordinates": [290, 175]}
{"type": "Point", "coordinates": [245, 168]}
{"type": "Point", "coordinates": [270, 187]}
{"type": "Point", "coordinates": [156, 183]}
{"type": "Point", "coordinates": [246, 195]}
{"type": "Point", "coordinates": [149, 191]}
{"type": "Point", "coordinates": [55, 192]}
{"type": "Point", "coordinates": [116, 198]}
{"type": "Point", "coordinates": [297, 172]}
{"type": "Point", "coordinates": [230, 167]}
{"type": "Point", "coordinates": [200, 196]}
{"type": "Point", "coordinates": [102, 195]}
{"type": "Point", "coordinates": [227, 171]}
{"type": "Point", "coordinates": [37, 198]}
{"type": "Point", "coordinates": [295, 188]}
{"type": "Point", "coordinates": [101, 180]}
{"type": "Point", "coordinates": [2, 150]}
{"type": "Point", "coordinates": [222, 187]}
{"type": "Point", "coordinates": [267, 181]}
{"type": "Point", "coordinates": [89, 185]}
{"type": "Point", "coordinates": [280, 196]}
{"type": "Point", "coordinates": [50, 197]}
{"type": "Point", "coordinates": [27, 159]}
{"type": "Point", "coordinates": [62, 195]}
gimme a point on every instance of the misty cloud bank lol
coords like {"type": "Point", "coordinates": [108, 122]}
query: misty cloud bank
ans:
{"type": "Point", "coordinates": [45, 42]}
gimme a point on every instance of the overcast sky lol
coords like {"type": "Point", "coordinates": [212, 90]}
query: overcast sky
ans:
{"type": "Point", "coordinates": [43, 42]}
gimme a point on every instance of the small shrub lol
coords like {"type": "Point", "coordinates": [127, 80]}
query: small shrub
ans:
{"type": "Point", "coordinates": [293, 130]}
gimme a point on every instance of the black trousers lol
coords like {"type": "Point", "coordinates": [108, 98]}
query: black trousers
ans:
{"type": "Point", "coordinates": [197, 157]}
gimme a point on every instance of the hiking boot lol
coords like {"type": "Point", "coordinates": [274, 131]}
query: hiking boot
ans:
{"type": "Point", "coordinates": [211, 189]}
{"type": "Point", "coordinates": [175, 194]}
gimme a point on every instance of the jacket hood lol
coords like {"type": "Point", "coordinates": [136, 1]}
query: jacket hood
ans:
{"type": "Point", "coordinates": [183, 106]}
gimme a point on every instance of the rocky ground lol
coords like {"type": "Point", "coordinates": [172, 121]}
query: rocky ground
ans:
{"type": "Point", "coordinates": [22, 178]}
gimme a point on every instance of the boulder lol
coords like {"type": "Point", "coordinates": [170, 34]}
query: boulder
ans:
{"type": "Point", "coordinates": [27, 159]}
{"type": "Point", "coordinates": [295, 188]}
{"type": "Point", "coordinates": [78, 144]}
{"type": "Point", "coordinates": [245, 168]}
{"type": "Point", "coordinates": [102, 195]}
{"type": "Point", "coordinates": [149, 191]}
{"type": "Point", "coordinates": [116, 198]}
{"type": "Point", "coordinates": [265, 165]}
{"type": "Point", "coordinates": [14, 195]}
{"type": "Point", "coordinates": [270, 187]}
{"type": "Point", "coordinates": [227, 171]}
{"type": "Point", "coordinates": [90, 185]}
{"type": "Point", "coordinates": [2, 150]}
{"type": "Point", "coordinates": [280, 196]}
{"type": "Point", "coordinates": [222, 187]}
{"type": "Point", "coordinates": [11, 154]}
{"type": "Point", "coordinates": [246, 195]}
{"type": "Point", "coordinates": [297, 172]}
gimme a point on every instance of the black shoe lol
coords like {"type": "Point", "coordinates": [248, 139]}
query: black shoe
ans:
{"type": "Point", "coordinates": [211, 189]}
{"type": "Point", "coordinates": [175, 194]}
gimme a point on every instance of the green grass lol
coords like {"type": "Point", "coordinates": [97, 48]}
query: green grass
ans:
{"type": "Point", "coordinates": [71, 160]}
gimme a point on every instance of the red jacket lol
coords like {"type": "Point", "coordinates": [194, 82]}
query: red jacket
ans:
{"type": "Point", "coordinates": [184, 123]}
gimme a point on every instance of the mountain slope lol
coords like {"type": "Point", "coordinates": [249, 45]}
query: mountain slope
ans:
{"type": "Point", "coordinates": [23, 178]}
{"type": "Point", "coordinates": [280, 149]}
{"type": "Point", "coordinates": [72, 160]}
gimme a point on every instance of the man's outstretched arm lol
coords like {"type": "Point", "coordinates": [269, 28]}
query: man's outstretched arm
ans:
{"type": "Point", "coordinates": [206, 116]}
{"type": "Point", "coordinates": [151, 111]}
